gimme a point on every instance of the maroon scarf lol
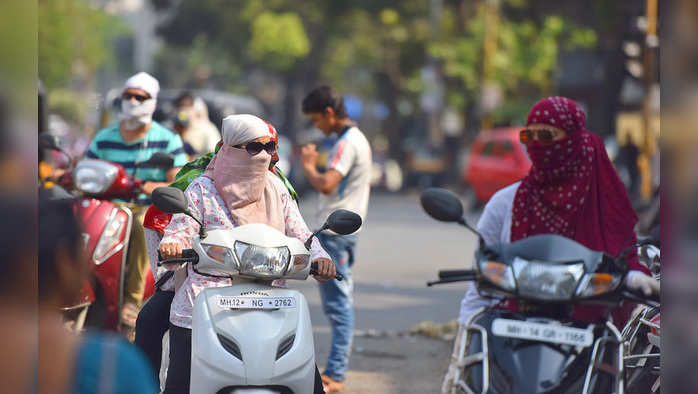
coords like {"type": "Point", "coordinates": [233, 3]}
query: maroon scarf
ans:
{"type": "Point", "coordinates": [573, 189]}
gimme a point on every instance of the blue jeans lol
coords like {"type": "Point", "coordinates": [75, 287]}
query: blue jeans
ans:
{"type": "Point", "coordinates": [338, 303]}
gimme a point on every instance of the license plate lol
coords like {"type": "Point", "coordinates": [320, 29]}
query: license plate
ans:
{"type": "Point", "coordinates": [238, 302]}
{"type": "Point", "coordinates": [542, 332]}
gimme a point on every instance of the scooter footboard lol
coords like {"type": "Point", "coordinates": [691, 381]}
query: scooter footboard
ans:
{"type": "Point", "coordinates": [252, 335]}
{"type": "Point", "coordinates": [505, 352]}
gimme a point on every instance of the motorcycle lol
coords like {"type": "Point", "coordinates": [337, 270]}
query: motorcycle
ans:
{"type": "Point", "coordinates": [107, 229]}
{"type": "Point", "coordinates": [642, 333]}
{"type": "Point", "coordinates": [251, 337]}
{"type": "Point", "coordinates": [539, 348]}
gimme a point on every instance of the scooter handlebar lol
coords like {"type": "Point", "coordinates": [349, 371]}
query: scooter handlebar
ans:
{"type": "Point", "coordinates": [188, 256]}
{"type": "Point", "coordinates": [640, 297]}
{"type": "Point", "coordinates": [313, 271]}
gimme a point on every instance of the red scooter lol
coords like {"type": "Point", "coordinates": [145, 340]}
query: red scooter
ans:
{"type": "Point", "coordinates": [106, 232]}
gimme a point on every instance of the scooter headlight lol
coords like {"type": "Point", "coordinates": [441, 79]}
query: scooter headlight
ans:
{"type": "Point", "coordinates": [547, 281]}
{"type": "Point", "coordinates": [262, 262]}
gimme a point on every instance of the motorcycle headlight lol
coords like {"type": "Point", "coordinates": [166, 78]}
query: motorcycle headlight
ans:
{"type": "Point", "coordinates": [94, 176]}
{"type": "Point", "coordinates": [547, 281]}
{"type": "Point", "coordinates": [260, 261]}
{"type": "Point", "coordinates": [110, 241]}
{"type": "Point", "coordinates": [596, 284]}
{"type": "Point", "coordinates": [499, 274]}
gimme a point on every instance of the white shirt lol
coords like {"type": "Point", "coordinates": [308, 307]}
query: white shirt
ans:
{"type": "Point", "coordinates": [351, 156]}
{"type": "Point", "coordinates": [495, 227]}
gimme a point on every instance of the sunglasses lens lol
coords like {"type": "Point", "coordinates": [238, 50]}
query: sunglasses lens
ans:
{"type": "Point", "coordinates": [138, 97]}
{"type": "Point", "coordinates": [270, 147]}
{"type": "Point", "coordinates": [525, 136]}
{"type": "Point", "coordinates": [254, 148]}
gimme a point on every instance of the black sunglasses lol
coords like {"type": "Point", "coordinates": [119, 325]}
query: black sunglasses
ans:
{"type": "Point", "coordinates": [255, 147]}
{"type": "Point", "coordinates": [545, 136]}
{"type": "Point", "coordinates": [129, 96]}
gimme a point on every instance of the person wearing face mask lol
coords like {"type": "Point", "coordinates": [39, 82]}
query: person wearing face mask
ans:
{"type": "Point", "coordinates": [135, 139]}
{"type": "Point", "coordinates": [153, 318]}
{"type": "Point", "coordinates": [573, 190]}
{"type": "Point", "coordinates": [237, 188]}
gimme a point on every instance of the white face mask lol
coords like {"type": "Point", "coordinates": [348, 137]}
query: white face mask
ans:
{"type": "Point", "coordinates": [136, 114]}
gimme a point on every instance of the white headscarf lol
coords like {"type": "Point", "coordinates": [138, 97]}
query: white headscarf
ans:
{"type": "Point", "coordinates": [244, 181]}
{"type": "Point", "coordinates": [238, 129]}
{"type": "Point", "coordinates": [144, 81]}
{"type": "Point", "coordinates": [135, 114]}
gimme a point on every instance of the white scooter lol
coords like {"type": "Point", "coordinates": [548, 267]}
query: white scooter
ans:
{"type": "Point", "coordinates": [251, 337]}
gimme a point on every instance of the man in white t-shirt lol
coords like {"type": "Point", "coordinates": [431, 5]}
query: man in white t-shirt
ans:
{"type": "Point", "coordinates": [345, 184]}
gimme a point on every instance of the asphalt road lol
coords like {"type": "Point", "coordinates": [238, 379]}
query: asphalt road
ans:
{"type": "Point", "coordinates": [400, 248]}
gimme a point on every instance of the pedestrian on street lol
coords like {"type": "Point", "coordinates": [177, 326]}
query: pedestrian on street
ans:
{"type": "Point", "coordinates": [345, 184]}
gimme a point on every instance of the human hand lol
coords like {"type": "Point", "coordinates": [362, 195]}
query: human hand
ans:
{"type": "Point", "coordinates": [637, 280]}
{"type": "Point", "coordinates": [309, 155]}
{"type": "Point", "coordinates": [170, 250]}
{"type": "Point", "coordinates": [325, 268]}
{"type": "Point", "coordinates": [147, 187]}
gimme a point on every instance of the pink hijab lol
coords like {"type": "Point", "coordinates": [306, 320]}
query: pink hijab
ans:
{"type": "Point", "coordinates": [244, 181]}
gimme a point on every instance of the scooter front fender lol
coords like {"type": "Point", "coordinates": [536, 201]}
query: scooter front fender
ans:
{"type": "Point", "coordinates": [249, 347]}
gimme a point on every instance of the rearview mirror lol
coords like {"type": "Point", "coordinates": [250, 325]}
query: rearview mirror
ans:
{"type": "Point", "coordinates": [160, 160]}
{"type": "Point", "coordinates": [48, 141]}
{"type": "Point", "coordinates": [343, 222]}
{"type": "Point", "coordinates": [442, 205]}
{"type": "Point", "coordinates": [172, 200]}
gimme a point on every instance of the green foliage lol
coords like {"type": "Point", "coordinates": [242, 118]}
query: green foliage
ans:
{"type": "Point", "coordinates": [525, 59]}
{"type": "Point", "coordinates": [74, 38]}
{"type": "Point", "coordinates": [278, 40]}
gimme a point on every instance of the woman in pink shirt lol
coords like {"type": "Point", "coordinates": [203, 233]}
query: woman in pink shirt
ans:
{"type": "Point", "coordinates": [236, 189]}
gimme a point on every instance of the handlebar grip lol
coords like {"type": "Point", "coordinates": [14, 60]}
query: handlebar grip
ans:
{"type": "Point", "coordinates": [188, 256]}
{"type": "Point", "coordinates": [453, 273]}
{"type": "Point", "coordinates": [638, 296]}
{"type": "Point", "coordinates": [313, 271]}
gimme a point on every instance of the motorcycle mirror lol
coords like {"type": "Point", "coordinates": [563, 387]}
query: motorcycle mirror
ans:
{"type": "Point", "coordinates": [445, 206]}
{"type": "Point", "coordinates": [172, 200]}
{"type": "Point", "coordinates": [442, 205]}
{"type": "Point", "coordinates": [343, 222]}
{"type": "Point", "coordinates": [160, 160]}
{"type": "Point", "coordinates": [48, 141]}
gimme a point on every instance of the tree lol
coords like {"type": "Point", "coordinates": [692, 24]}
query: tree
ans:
{"type": "Point", "coordinates": [74, 40]}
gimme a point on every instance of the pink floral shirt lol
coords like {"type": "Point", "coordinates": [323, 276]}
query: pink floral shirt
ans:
{"type": "Point", "coordinates": [206, 204]}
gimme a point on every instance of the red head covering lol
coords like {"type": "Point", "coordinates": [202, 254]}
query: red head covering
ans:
{"type": "Point", "coordinates": [275, 138]}
{"type": "Point", "coordinates": [572, 188]}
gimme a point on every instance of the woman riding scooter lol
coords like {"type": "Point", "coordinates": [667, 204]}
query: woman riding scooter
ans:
{"type": "Point", "coordinates": [572, 190]}
{"type": "Point", "coordinates": [153, 318]}
{"type": "Point", "coordinates": [236, 189]}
